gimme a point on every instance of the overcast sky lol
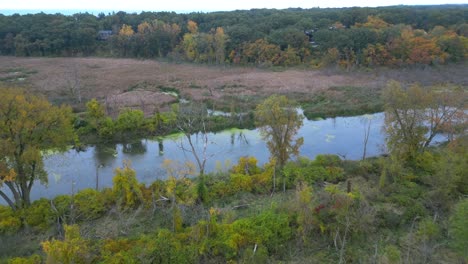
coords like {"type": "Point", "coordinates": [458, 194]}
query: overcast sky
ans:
{"type": "Point", "coordinates": [197, 5]}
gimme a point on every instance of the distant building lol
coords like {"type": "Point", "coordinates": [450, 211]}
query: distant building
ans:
{"type": "Point", "coordinates": [104, 34]}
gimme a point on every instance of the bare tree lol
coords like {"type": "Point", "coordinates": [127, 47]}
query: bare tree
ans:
{"type": "Point", "coordinates": [74, 83]}
{"type": "Point", "coordinates": [367, 120]}
{"type": "Point", "coordinates": [192, 120]}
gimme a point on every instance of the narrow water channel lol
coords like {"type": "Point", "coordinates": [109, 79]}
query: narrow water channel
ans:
{"type": "Point", "coordinates": [72, 171]}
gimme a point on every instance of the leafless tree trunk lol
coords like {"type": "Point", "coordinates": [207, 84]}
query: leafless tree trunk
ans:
{"type": "Point", "coordinates": [366, 138]}
{"type": "Point", "coordinates": [74, 83]}
{"type": "Point", "coordinates": [343, 240]}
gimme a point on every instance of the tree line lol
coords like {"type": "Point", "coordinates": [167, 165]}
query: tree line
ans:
{"type": "Point", "coordinates": [390, 36]}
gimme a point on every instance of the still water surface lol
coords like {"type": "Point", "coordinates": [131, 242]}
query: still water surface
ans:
{"type": "Point", "coordinates": [72, 171]}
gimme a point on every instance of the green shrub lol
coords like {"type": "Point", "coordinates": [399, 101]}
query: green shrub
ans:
{"type": "Point", "coordinates": [240, 183]}
{"type": "Point", "coordinates": [73, 249]}
{"type": "Point", "coordinates": [39, 215]}
{"type": "Point", "coordinates": [126, 188]}
{"type": "Point", "coordinates": [413, 210]}
{"type": "Point", "coordinates": [169, 249]}
{"type": "Point", "coordinates": [458, 228]}
{"type": "Point", "coordinates": [62, 207]}
{"type": "Point", "coordinates": [327, 160]}
{"type": "Point", "coordinates": [246, 166]}
{"type": "Point", "coordinates": [388, 219]}
{"type": "Point", "coordinates": [130, 120]}
{"type": "Point", "coordinates": [34, 259]}
{"type": "Point", "coordinates": [106, 128]}
{"type": "Point", "coordinates": [427, 230]}
{"type": "Point", "coordinates": [220, 189]}
{"type": "Point", "coordinates": [9, 221]}
{"type": "Point", "coordinates": [334, 174]}
{"type": "Point", "coordinates": [296, 173]}
{"type": "Point", "coordinates": [89, 204]}
{"type": "Point", "coordinates": [268, 228]}
{"type": "Point", "coordinates": [392, 254]}
{"type": "Point", "coordinates": [108, 197]}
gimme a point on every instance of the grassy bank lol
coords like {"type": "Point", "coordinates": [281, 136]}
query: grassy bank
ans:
{"type": "Point", "coordinates": [376, 210]}
{"type": "Point", "coordinates": [343, 101]}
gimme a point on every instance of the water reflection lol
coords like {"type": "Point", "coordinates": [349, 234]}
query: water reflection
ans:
{"type": "Point", "coordinates": [104, 153]}
{"type": "Point", "coordinates": [136, 147]}
{"type": "Point", "coordinates": [160, 147]}
{"type": "Point", "coordinates": [240, 138]}
{"type": "Point", "coordinates": [96, 165]}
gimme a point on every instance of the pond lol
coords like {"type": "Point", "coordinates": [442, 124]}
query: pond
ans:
{"type": "Point", "coordinates": [72, 171]}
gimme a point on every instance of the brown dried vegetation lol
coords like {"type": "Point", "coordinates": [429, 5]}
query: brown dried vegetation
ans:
{"type": "Point", "coordinates": [144, 84]}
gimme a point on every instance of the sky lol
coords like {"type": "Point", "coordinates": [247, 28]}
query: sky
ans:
{"type": "Point", "coordinates": [181, 6]}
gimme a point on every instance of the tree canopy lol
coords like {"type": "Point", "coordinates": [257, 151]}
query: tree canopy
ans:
{"type": "Point", "coordinates": [415, 115]}
{"type": "Point", "coordinates": [387, 36]}
{"type": "Point", "coordinates": [29, 125]}
{"type": "Point", "coordinates": [279, 122]}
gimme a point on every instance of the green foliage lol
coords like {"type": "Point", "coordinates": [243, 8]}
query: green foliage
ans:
{"type": "Point", "coordinates": [202, 189]}
{"type": "Point", "coordinates": [61, 208]}
{"type": "Point", "coordinates": [28, 125]}
{"type": "Point", "coordinates": [391, 254]}
{"type": "Point", "coordinates": [34, 259]}
{"type": "Point", "coordinates": [89, 204]}
{"type": "Point", "coordinates": [428, 230]}
{"type": "Point", "coordinates": [344, 37]}
{"type": "Point", "coordinates": [323, 168]}
{"type": "Point", "coordinates": [304, 207]}
{"type": "Point", "coordinates": [343, 101]}
{"type": "Point", "coordinates": [388, 218]}
{"type": "Point", "coordinates": [414, 116]}
{"type": "Point", "coordinates": [279, 122]}
{"type": "Point", "coordinates": [268, 229]}
{"type": "Point", "coordinates": [106, 128]}
{"type": "Point", "coordinates": [169, 249]}
{"type": "Point", "coordinates": [414, 210]}
{"type": "Point", "coordinates": [459, 228]}
{"type": "Point", "coordinates": [39, 215]}
{"type": "Point", "coordinates": [240, 183]}
{"type": "Point", "coordinates": [95, 111]}
{"type": "Point", "coordinates": [73, 249]}
{"type": "Point", "coordinates": [246, 166]}
{"type": "Point", "coordinates": [262, 182]}
{"type": "Point", "coordinates": [9, 222]}
{"type": "Point", "coordinates": [327, 160]}
{"type": "Point", "coordinates": [446, 177]}
{"type": "Point", "coordinates": [130, 120]}
{"type": "Point", "coordinates": [98, 121]}
{"type": "Point", "coordinates": [126, 189]}
{"type": "Point", "coordinates": [392, 170]}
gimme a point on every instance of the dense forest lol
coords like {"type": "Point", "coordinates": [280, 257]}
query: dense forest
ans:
{"type": "Point", "coordinates": [390, 36]}
{"type": "Point", "coordinates": [409, 205]}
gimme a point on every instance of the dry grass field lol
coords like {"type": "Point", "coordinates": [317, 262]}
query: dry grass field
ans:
{"type": "Point", "coordinates": [151, 85]}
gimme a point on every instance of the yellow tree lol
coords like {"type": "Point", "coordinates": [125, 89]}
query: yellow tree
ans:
{"type": "Point", "coordinates": [192, 27]}
{"type": "Point", "coordinates": [124, 38]}
{"type": "Point", "coordinates": [73, 249]}
{"type": "Point", "coordinates": [220, 39]}
{"type": "Point", "coordinates": [374, 23]}
{"type": "Point", "coordinates": [279, 122]}
{"type": "Point", "coordinates": [126, 188]}
{"type": "Point", "coordinates": [143, 28]}
{"type": "Point", "coordinates": [28, 125]}
{"type": "Point", "coordinates": [126, 31]}
{"type": "Point", "coordinates": [178, 188]}
{"type": "Point", "coordinates": [189, 46]}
